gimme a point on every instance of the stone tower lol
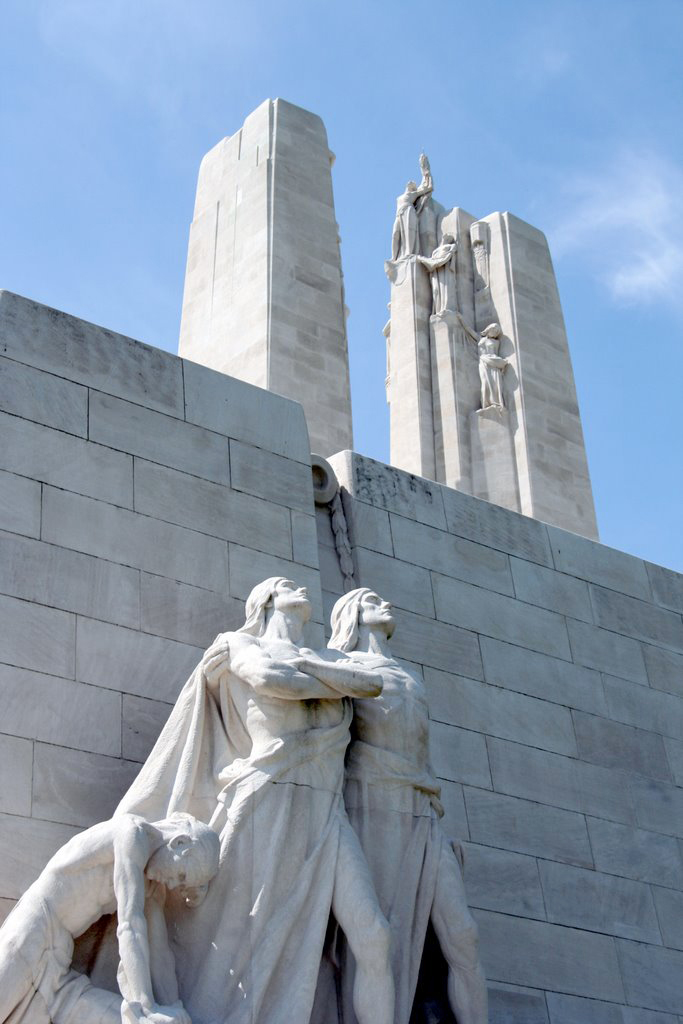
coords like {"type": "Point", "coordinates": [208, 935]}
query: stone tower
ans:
{"type": "Point", "coordinates": [264, 297]}
{"type": "Point", "coordinates": [480, 380]}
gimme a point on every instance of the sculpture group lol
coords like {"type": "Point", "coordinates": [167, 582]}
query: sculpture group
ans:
{"type": "Point", "coordinates": [248, 826]}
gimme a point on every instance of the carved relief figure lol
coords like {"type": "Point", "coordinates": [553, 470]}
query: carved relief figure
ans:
{"type": "Point", "coordinates": [392, 801]}
{"type": "Point", "coordinates": [405, 239]}
{"type": "Point", "coordinates": [441, 268]}
{"type": "Point", "coordinates": [256, 743]}
{"type": "Point", "coordinates": [491, 364]}
{"type": "Point", "coordinates": [124, 865]}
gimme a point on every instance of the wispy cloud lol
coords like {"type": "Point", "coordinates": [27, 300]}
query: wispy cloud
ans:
{"type": "Point", "coordinates": [626, 221]}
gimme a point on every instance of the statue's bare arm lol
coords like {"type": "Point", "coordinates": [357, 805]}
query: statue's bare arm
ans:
{"type": "Point", "coordinates": [344, 675]}
{"type": "Point", "coordinates": [162, 961]}
{"type": "Point", "coordinates": [131, 853]}
{"type": "Point", "coordinates": [288, 680]}
{"type": "Point", "coordinates": [468, 330]}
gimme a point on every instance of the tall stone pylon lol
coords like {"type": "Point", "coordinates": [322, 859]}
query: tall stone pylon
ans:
{"type": "Point", "coordinates": [480, 382]}
{"type": "Point", "coordinates": [264, 297]}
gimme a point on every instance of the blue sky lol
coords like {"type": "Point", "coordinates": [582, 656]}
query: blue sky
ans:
{"type": "Point", "coordinates": [566, 113]}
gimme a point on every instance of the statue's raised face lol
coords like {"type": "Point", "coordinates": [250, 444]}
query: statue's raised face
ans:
{"type": "Point", "coordinates": [448, 239]}
{"type": "Point", "coordinates": [376, 613]}
{"type": "Point", "coordinates": [287, 596]}
{"type": "Point", "coordinates": [411, 187]}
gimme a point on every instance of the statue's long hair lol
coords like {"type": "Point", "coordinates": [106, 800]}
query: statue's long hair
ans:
{"type": "Point", "coordinates": [344, 619]}
{"type": "Point", "coordinates": [257, 603]}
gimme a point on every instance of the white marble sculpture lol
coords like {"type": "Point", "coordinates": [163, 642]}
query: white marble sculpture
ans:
{"type": "Point", "coordinates": [392, 801]}
{"type": "Point", "coordinates": [441, 268]}
{"type": "Point", "coordinates": [491, 365]}
{"type": "Point", "coordinates": [125, 866]}
{"type": "Point", "coordinates": [405, 238]}
{"type": "Point", "coordinates": [256, 744]}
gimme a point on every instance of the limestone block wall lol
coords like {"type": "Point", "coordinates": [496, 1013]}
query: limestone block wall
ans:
{"type": "Point", "coordinates": [554, 667]}
{"type": "Point", "coordinates": [141, 497]}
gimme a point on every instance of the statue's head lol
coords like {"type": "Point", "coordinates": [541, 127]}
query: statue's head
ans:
{"type": "Point", "coordinates": [492, 331]}
{"type": "Point", "coordinates": [448, 239]}
{"type": "Point", "coordinates": [279, 593]}
{"type": "Point", "coordinates": [361, 607]}
{"type": "Point", "coordinates": [411, 186]}
{"type": "Point", "coordinates": [188, 860]}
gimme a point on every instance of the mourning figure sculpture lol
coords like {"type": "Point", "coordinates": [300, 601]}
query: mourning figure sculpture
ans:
{"type": "Point", "coordinates": [405, 239]}
{"type": "Point", "coordinates": [441, 268]}
{"type": "Point", "coordinates": [256, 745]}
{"type": "Point", "coordinates": [392, 801]}
{"type": "Point", "coordinates": [491, 364]}
{"type": "Point", "coordinates": [127, 866]}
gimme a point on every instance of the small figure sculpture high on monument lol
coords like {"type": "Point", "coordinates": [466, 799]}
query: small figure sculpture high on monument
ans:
{"type": "Point", "coordinates": [491, 364]}
{"type": "Point", "coordinates": [441, 268]}
{"type": "Point", "coordinates": [405, 240]}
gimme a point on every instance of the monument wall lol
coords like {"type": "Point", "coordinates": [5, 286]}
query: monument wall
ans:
{"type": "Point", "coordinates": [142, 496]}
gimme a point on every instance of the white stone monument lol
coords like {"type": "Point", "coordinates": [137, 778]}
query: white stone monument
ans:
{"type": "Point", "coordinates": [499, 421]}
{"type": "Point", "coordinates": [264, 297]}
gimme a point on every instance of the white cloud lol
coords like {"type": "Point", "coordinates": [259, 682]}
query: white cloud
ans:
{"type": "Point", "coordinates": [625, 221]}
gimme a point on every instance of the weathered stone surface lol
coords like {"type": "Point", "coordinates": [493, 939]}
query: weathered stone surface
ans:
{"type": "Point", "coordinates": [42, 707]}
{"type": "Point", "coordinates": [229, 406]}
{"type": "Point", "coordinates": [304, 539]}
{"type": "Point", "coordinates": [43, 398]}
{"type": "Point", "coordinates": [60, 578]}
{"type": "Point", "coordinates": [90, 355]}
{"type": "Point", "coordinates": [513, 824]}
{"type": "Point", "coordinates": [500, 617]}
{"type": "Point", "coordinates": [574, 1010]}
{"type": "Point", "coordinates": [605, 651]}
{"type": "Point", "coordinates": [424, 545]}
{"type": "Point", "coordinates": [510, 1005]}
{"type": "Point", "coordinates": [641, 706]}
{"type": "Point", "coordinates": [667, 586]}
{"type": "Point", "coordinates": [499, 528]}
{"type": "Point", "coordinates": [558, 781]}
{"type": "Point", "coordinates": [75, 788]}
{"type": "Point", "coordinates": [488, 709]}
{"type": "Point", "coordinates": [20, 502]}
{"type": "Point", "coordinates": [674, 753]}
{"type": "Point", "coordinates": [635, 853]}
{"type": "Point", "coordinates": [367, 525]}
{"type": "Point", "coordinates": [599, 902]}
{"type": "Point", "coordinates": [390, 489]}
{"type": "Point", "coordinates": [16, 771]}
{"type": "Point", "coordinates": [540, 676]}
{"type": "Point", "coordinates": [653, 977]}
{"type": "Point", "coordinates": [439, 645]}
{"type": "Point", "coordinates": [599, 564]}
{"type": "Point", "coordinates": [131, 539]}
{"type": "Point", "coordinates": [141, 724]}
{"type": "Point", "coordinates": [639, 619]}
{"type": "Point", "coordinates": [620, 746]}
{"type": "Point", "coordinates": [549, 956]}
{"type": "Point", "coordinates": [550, 589]}
{"type": "Point", "coordinates": [37, 638]}
{"type": "Point", "coordinates": [189, 614]}
{"type": "Point", "coordinates": [664, 669]}
{"type": "Point", "coordinates": [658, 806]}
{"type": "Point", "coordinates": [503, 881]}
{"type": "Point", "coordinates": [133, 662]}
{"type": "Point", "coordinates": [158, 438]}
{"type": "Point", "coordinates": [405, 585]}
{"type": "Point", "coordinates": [459, 755]}
{"type": "Point", "coordinates": [66, 461]}
{"type": "Point", "coordinates": [26, 845]}
{"type": "Point", "coordinates": [669, 905]}
{"type": "Point", "coordinates": [210, 508]}
{"type": "Point", "coordinates": [266, 475]}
